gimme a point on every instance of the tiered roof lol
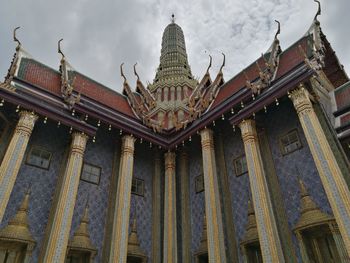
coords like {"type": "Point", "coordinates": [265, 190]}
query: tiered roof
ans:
{"type": "Point", "coordinates": [77, 101]}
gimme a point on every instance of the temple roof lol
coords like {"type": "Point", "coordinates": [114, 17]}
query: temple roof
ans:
{"type": "Point", "coordinates": [269, 77]}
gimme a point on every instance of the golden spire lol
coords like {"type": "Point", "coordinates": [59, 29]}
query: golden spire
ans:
{"type": "Point", "coordinates": [81, 238]}
{"type": "Point", "coordinates": [251, 229]}
{"type": "Point", "coordinates": [18, 227]}
{"type": "Point", "coordinates": [310, 213]}
{"type": "Point", "coordinates": [133, 241]}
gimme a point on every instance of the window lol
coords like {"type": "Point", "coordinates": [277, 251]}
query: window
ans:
{"type": "Point", "coordinates": [290, 142]}
{"type": "Point", "coordinates": [91, 173]}
{"type": "Point", "coordinates": [137, 186]}
{"type": "Point", "coordinates": [240, 165]}
{"type": "Point", "coordinates": [199, 183]}
{"type": "Point", "coordinates": [39, 157]}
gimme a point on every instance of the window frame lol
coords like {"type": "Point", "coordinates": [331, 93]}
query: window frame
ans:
{"type": "Point", "coordinates": [196, 184]}
{"type": "Point", "coordinates": [27, 162]}
{"type": "Point", "coordinates": [282, 146]}
{"type": "Point", "coordinates": [242, 156]}
{"type": "Point", "coordinates": [93, 165]}
{"type": "Point", "coordinates": [143, 187]}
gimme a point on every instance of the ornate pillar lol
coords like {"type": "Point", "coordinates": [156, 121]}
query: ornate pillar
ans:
{"type": "Point", "coordinates": [55, 245]}
{"type": "Point", "coordinates": [270, 243]}
{"type": "Point", "coordinates": [156, 210]}
{"type": "Point", "coordinates": [216, 245]}
{"type": "Point", "coordinates": [185, 207]}
{"type": "Point", "coordinates": [170, 237]}
{"type": "Point", "coordinates": [120, 233]}
{"type": "Point", "coordinates": [339, 242]}
{"type": "Point", "coordinates": [331, 175]}
{"type": "Point", "coordinates": [14, 156]}
{"type": "Point", "coordinates": [303, 251]}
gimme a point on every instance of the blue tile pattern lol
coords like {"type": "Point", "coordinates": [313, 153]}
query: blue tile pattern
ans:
{"type": "Point", "coordinates": [100, 154]}
{"type": "Point", "coordinates": [142, 205]}
{"type": "Point", "coordinates": [197, 202]}
{"type": "Point", "coordinates": [42, 182]}
{"type": "Point", "coordinates": [279, 121]}
{"type": "Point", "coordinates": [239, 186]}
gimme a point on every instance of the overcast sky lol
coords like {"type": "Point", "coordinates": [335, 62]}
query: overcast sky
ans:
{"type": "Point", "coordinates": [100, 35]}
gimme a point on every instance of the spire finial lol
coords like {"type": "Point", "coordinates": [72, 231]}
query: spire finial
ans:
{"type": "Point", "coordinates": [59, 48]}
{"type": "Point", "coordinates": [210, 61]}
{"type": "Point", "coordinates": [15, 37]}
{"type": "Point", "coordinates": [318, 10]}
{"type": "Point", "coordinates": [137, 75]}
{"type": "Point", "coordinates": [122, 73]}
{"type": "Point", "coordinates": [223, 62]}
{"type": "Point", "coordinates": [172, 18]}
{"type": "Point", "coordinates": [278, 29]}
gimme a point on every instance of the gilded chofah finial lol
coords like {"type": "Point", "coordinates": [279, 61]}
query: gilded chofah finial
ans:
{"type": "Point", "coordinates": [310, 213]}
{"type": "Point", "coordinates": [278, 29]}
{"type": "Point", "coordinates": [137, 75]}
{"type": "Point", "coordinates": [18, 227]}
{"type": "Point", "coordinates": [16, 39]}
{"type": "Point", "coordinates": [122, 73]}
{"type": "Point", "coordinates": [81, 238]}
{"type": "Point", "coordinates": [210, 61]}
{"type": "Point", "coordinates": [59, 48]}
{"type": "Point", "coordinates": [223, 62]}
{"type": "Point", "coordinates": [318, 10]}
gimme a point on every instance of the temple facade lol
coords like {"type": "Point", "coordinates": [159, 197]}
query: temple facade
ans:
{"type": "Point", "coordinates": [182, 170]}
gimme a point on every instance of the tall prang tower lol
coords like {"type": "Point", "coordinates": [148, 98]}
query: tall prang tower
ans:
{"type": "Point", "coordinates": [173, 83]}
{"type": "Point", "coordinates": [175, 98]}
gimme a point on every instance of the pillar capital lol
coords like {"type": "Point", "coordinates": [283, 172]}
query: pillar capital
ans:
{"type": "Point", "coordinates": [26, 123]}
{"type": "Point", "coordinates": [301, 99]}
{"type": "Point", "coordinates": [79, 141]}
{"type": "Point", "coordinates": [248, 130]}
{"type": "Point", "coordinates": [207, 138]}
{"type": "Point", "coordinates": [128, 144]}
{"type": "Point", "coordinates": [170, 158]}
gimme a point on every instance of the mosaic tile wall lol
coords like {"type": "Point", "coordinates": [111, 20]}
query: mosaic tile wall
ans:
{"type": "Point", "coordinates": [142, 205]}
{"type": "Point", "coordinates": [42, 182]}
{"type": "Point", "coordinates": [99, 154]}
{"type": "Point", "coordinates": [197, 203]}
{"type": "Point", "coordinates": [281, 120]}
{"type": "Point", "coordinates": [239, 186]}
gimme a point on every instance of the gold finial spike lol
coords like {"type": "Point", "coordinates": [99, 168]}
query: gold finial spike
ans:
{"type": "Point", "coordinates": [303, 190]}
{"type": "Point", "coordinates": [223, 62]}
{"type": "Point", "coordinates": [210, 61]}
{"type": "Point", "coordinates": [172, 18]}
{"type": "Point", "coordinates": [318, 10]}
{"type": "Point", "coordinates": [137, 75]}
{"type": "Point", "coordinates": [122, 73]}
{"type": "Point", "coordinates": [250, 207]}
{"type": "Point", "coordinates": [15, 37]}
{"type": "Point", "coordinates": [59, 48]}
{"type": "Point", "coordinates": [278, 28]}
{"type": "Point", "coordinates": [133, 226]}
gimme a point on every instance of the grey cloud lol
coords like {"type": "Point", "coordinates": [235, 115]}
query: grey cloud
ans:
{"type": "Point", "coordinates": [99, 35]}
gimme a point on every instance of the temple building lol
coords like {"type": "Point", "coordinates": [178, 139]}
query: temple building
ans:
{"type": "Point", "coordinates": [249, 168]}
